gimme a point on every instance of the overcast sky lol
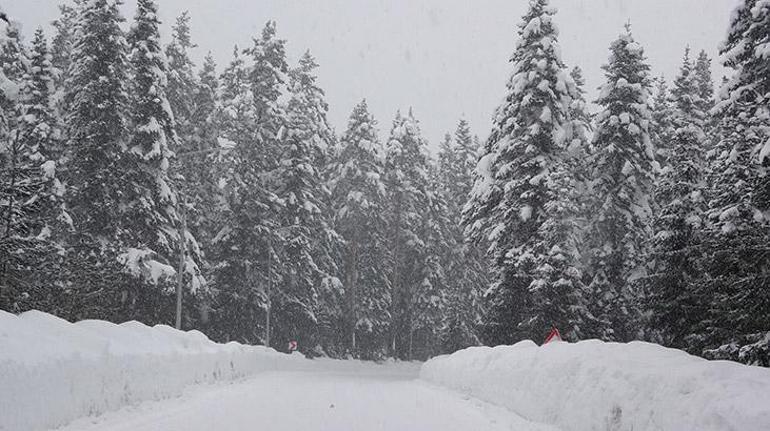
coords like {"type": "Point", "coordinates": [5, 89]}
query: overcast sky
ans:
{"type": "Point", "coordinates": [444, 58]}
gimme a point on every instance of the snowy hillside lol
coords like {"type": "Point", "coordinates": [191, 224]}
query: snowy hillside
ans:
{"type": "Point", "coordinates": [594, 385]}
{"type": "Point", "coordinates": [53, 371]}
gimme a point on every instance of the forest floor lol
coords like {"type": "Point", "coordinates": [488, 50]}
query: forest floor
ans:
{"type": "Point", "coordinates": [332, 396]}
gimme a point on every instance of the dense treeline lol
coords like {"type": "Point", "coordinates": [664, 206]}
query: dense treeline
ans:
{"type": "Point", "coordinates": [126, 170]}
{"type": "Point", "coordinates": [129, 172]}
{"type": "Point", "coordinates": [648, 219]}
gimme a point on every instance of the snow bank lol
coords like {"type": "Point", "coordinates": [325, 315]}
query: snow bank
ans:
{"type": "Point", "coordinates": [53, 371]}
{"type": "Point", "coordinates": [594, 385]}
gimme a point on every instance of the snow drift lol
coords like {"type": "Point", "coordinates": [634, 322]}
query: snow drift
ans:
{"type": "Point", "coordinates": [594, 385]}
{"type": "Point", "coordinates": [53, 371]}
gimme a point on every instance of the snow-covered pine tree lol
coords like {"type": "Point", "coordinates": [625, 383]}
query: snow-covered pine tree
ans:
{"type": "Point", "coordinates": [193, 105]}
{"type": "Point", "coordinates": [38, 159]}
{"type": "Point", "coordinates": [670, 290]}
{"type": "Point", "coordinates": [406, 182]}
{"type": "Point", "coordinates": [206, 100]}
{"type": "Point", "coordinates": [63, 41]}
{"type": "Point", "coordinates": [199, 169]}
{"type": "Point", "coordinates": [430, 297]}
{"type": "Point", "coordinates": [238, 243]}
{"type": "Point", "coordinates": [579, 111]}
{"type": "Point", "coordinates": [308, 304]}
{"type": "Point", "coordinates": [736, 265]}
{"type": "Point", "coordinates": [519, 202]}
{"type": "Point", "coordinates": [247, 246]}
{"type": "Point", "coordinates": [358, 198]}
{"type": "Point", "coordinates": [153, 232]}
{"type": "Point", "coordinates": [182, 82]}
{"type": "Point", "coordinates": [580, 153]}
{"type": "Point", "coordinates": [661, 126]}
{"type": "Point", "coordinates": [705, 84]}
{"type": "Point", "coordinates": [623, 177]}
{"type": "Point", "coordinates": [706, 102]}
{"type": "Point", "coordinates": [464, 262]}
{"type": "Point", "coordinates": [45, 134]}
{"type": "Point", "coordinates": [96, 118]}
{"type": "Point", "coordinates": [19, 175]}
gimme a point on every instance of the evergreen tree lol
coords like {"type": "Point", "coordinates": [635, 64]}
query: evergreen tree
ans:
{"type": "Point", "coordinates": [182, 82]}
{"type": "Point", "coordinates": [247, 245]}
{"type": "Point", "coordinates": [308, 304]}
{"type": "Point", "coordinates": [96, 115]}
{"type": "Point", "coordinates": [661, 126]}
{"type": "Point", "coordinates": [237, 242]}
{"type": "Point", "coordinates": [464, 262]}
{"type": "Point", "coordinates": [19, 175]}
{"type": "Point", "coordinates": [206, 100]}
{"type": "Point", "coordinates": [359, 204]}
{"type": "Point", "coordinates": [406, 183]}
{"type": "Point", "coordinates": [579, 113]}
{"type": "Point", "coordinates": [622, 183]}
{"type": "Point", "coordinates": [704, 82]}
{"type": "Point", "coordinates": [430, 297]}
{"type": "Point", "coordinates": [46, 218]}
{"type": "Point", "coordinates": [199, 169]}
{"type": "Point", "coordinates": [151, 201]}
{"type": "Point", "coordinates": [735, 265]}
{"type": "Point", "coordinates": [521, 201]}
{"type": "Point", "coordinates": [675, 307]}
{"type": "Point", "coordinates": [64, 41]}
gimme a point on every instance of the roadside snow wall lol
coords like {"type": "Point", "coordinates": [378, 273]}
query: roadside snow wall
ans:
{"type": "Point", "coordinates": [600, 386]}
{"type": "Point", "coordinates": [53, 371]}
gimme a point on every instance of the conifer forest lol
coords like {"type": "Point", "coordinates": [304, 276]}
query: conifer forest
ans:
{"type": "Point", "coordinates": [139, 184]}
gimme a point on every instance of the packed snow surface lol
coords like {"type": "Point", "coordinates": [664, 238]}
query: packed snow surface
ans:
{"type": "Point", "coordinates": [331, 396]}
{"type": "Point", "coordinates": [594, 385]}
{"type": "Point", "coordinates": [95, 375]}
{"type": "Point", "coordinates": [53, 371]}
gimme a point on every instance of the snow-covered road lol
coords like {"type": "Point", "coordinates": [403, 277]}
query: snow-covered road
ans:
{"type": "Point", "coordinates": [333, 396]}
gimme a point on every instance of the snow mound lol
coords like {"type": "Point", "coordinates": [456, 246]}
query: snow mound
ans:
{"type": "Point", "coordinates": [53, 371]}
{"type": "Point", "coordinates": [594, 385]}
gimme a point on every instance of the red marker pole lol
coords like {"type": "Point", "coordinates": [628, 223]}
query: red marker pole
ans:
{"type": "Point", "coordinates": [554, 335]}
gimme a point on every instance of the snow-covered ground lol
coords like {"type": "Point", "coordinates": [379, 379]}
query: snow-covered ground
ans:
{"type": "Point", "coordinates": [53, 371]}
{"type": "Point", "coordinates": [331, 397]}
{"type": "Point", "coordinates": [95, 375]}
{"type": "Point", "coordinates": [594, 385]}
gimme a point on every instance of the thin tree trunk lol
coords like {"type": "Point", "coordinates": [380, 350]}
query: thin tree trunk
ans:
{"type": "Point", "coordinates": [396, 280]}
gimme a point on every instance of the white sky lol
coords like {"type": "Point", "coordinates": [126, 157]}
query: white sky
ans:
{"type": "Point", "coordinates": [445, 58]}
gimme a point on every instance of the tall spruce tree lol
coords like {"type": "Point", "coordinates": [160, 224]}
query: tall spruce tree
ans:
{"type": "Point", "coordinates": [359, 206]}
{"type": "Point", "coordinates": [309, 303]}
{"type": "Point", "coordinates": [406, 183]}
{"type": "Point", "coordinates": [623, 178]}
{"type": "Point", "coordinates": [63, 42]}
{"type": "Point", "coordinates": [661, 126]}
{"type": "Point", "coordinates": [430, 297]}
{"type": "Point", "coordinates": [97, 111]}
{"type": "Point", "coordinates": [704, 82]}
{"type": "Point", "coordinates": [736, 265]}
{"type": "Point", "coordinates": [464, 263]}
{"type": "Point", "coordinates": [182, 82]}
{"type": "Point", "coordinates": [19, 175]}
{"type": "Point", "coordinates": [238, 240]}
{"type": "Point", "coordinates": [151, 201]}
{"type": "Point", "coordinates": [519, 202]}
{"type": "Point", "coordinates": [199, 170]}
{"type": "Point", "coordinates": [670, 289]}
{"type": "Point", "coordinates": [248, 244]}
